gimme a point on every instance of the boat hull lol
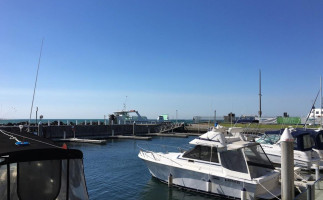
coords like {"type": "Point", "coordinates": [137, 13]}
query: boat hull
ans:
{"type": "Point", "coordinates": [199, 182]}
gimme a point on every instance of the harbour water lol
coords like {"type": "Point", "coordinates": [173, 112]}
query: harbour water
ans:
{"type": "Point", "coordinates": [114, 171]}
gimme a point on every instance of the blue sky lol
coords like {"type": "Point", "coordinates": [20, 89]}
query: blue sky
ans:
{"type": "Point", "coordinates": [191, 56]}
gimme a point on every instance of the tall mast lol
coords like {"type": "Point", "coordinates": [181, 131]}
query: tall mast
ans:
{"type": "Point", "coordinates": [321, 105]}
{"type": "Point", "coordinates": [32, 102]}
{"type": "Point", "coordinates": [259, 112]}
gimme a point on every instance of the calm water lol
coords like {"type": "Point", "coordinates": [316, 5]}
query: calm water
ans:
{"type": "Point", "coordinates": [114, 171]}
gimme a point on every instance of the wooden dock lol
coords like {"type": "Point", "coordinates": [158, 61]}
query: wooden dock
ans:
{"type": "Point", "coordinates": [78, 140]}
{"type": "Point", "coordinates": [181, 135]}
{"type": "Point", "coordinates": [134, 137]}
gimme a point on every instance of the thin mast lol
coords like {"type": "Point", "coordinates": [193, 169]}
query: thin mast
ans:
{"type": "Point", "coordinates": [312, 109]}
{"type": "Point", "coordinates": [260, 112]}
{"type": "Point", "coordinates": [32, 102]}
{"type": "Point", "coordinates": [321, 105]}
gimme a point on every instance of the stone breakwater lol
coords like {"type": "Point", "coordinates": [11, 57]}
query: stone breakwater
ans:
{"type": "Point", "coordinates": [89, 130]}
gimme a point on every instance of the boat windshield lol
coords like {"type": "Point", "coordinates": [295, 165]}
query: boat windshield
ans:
{"type": "Point", "coordinates": [256, 156]}
{"type": "Point", "coordinates": [268, 139]}
{"type": "Point", "coordinates": [252, 158]}
{"type": "Point", "coordinates": [204, 153]}
{"type": "Point", "coordinates": [234, 160]}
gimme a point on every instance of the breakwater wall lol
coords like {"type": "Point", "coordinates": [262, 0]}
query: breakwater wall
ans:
{"type": "Point", "coordinates": [89, 130]}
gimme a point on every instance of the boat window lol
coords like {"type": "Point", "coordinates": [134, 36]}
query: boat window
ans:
{"type": "Point", "coordinates": [256, 156]}
{"type": "Point", "coordinates": [307, 142]}
{"type": "Point", "coordinates": [13, 181]}
{"type": "Point", "coordinates": [63, 190]}
{"type": "Point", "coordinates": [321, 138]}
{"type": "Point", "coordinates": [77, 186]}
{"type": "Point", "coordinates": [295, 143]}
{"type": "Point", "coordinates": [318, 141]}
{"type": "Point", "coordinates": [37, 178]}
{"type": "Point", "coordinates": [234, 160]}
{"type": "Point", "coordinates": [3, 181]}
{"type": "Point", "coordinates": [202, 153]}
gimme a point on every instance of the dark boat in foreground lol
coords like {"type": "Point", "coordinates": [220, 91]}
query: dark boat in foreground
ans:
{"type": "Point", "coordinates": [33, 167]}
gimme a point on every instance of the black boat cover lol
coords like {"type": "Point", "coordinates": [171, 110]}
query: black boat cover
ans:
{"type": "Point", "coordinates": [38, 149]}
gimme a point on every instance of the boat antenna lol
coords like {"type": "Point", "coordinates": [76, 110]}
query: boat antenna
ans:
{"type": "Point", "coordinates": [260, 112]}
{"type": "Point", "coordinates": [321, 104]}
{"type": "Point", "coordinates": [32, 102]}
{"type": "Point", "coordinates": [311, 108]}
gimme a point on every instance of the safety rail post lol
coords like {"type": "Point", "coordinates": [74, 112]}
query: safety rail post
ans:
{"type": "Point", "coordinates": [310, 191]}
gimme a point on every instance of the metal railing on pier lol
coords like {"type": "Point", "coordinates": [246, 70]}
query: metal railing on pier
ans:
{"type": "Point", "coordinates": [313, 192]}
{"type": "Point", "coordinates": [170, 127]}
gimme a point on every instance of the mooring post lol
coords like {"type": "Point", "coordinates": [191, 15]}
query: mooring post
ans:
{"type": "Point", "coordinates": [287, 165]}
{"type": "Point", "coordinates": [310, 192]}
{"type": "Point", "coordinates": [58, 123]}
{"type": "Point", "coordinates": [209, 186]}
{"type": "Point", "coordinates": [317, 175]}
{"type": "Point", "coordinates": [170, 180]}
{"type": "Point", "coordinates": [133, 128]}
{"type": "Point", "coordinates": [76, 122]}
{"type": "Point", "coordinates": [243, 194]}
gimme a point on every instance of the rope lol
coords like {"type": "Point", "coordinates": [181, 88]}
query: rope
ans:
{"type": "Point", "coordinates": [268, 190]}
{"type": "Point", "coordinates": [2, 131]}
{"type": "Point", "coordinates": [10, 136]}
{"type": "Point", "coordinates": [298, 175]}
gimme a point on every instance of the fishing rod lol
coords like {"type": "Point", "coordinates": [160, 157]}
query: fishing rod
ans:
{"type": "Point", "coordinates": [311, 108]}
{"type": "Point", "coordinates": [32, 102]}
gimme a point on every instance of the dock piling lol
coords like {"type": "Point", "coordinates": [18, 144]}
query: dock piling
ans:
{"type": "Point", "coordinates": [317, 175]}
{"type": "Point", "coordinates": [243, 194]}
{"type": "Point", "coordinates": [310, 192]}
{"type": "Point", "coordinates": [170, 180]}
{"type": "Point", "coordinates": [287, 165]}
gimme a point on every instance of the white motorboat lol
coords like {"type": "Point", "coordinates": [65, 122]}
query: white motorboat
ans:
{"type": "Point", "coordinates": [217, 165]}
{"type": "Point", "coordinates": [127, 117]}
{"type": "Point", "coordinates": [304, 141]}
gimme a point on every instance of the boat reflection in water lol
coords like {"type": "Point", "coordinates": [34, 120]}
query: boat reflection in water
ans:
{"type": "Point", "coordinates": [154, 188]}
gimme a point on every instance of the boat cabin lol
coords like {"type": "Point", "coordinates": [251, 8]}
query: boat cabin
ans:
{"type": "Point", "coordinates": [127, 117]}
{"type": "Point", "coordinates": [35, 168]}
{"type": "Point", "coordinates": [316, 137]}
{"type": "Point", "coordinates": [302, 139]}
{"type": "Point", "coordinates": [238, 159]}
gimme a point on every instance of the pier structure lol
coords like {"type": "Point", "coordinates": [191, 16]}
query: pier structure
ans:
{"type": "Point", "coordinates": [88, 131]}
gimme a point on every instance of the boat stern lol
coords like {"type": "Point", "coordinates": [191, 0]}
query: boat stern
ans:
{"type": "Point", "coordinates": [268, 187]}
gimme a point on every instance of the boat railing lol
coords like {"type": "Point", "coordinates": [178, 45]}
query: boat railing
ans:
{"type": "Point", "coordinates": [313, 191]}
{"type": "Point", "coordinates": [158, 151]}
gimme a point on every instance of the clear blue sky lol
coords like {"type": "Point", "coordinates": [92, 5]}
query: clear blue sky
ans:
{"type": "Point", "coordinates": [165, 55]}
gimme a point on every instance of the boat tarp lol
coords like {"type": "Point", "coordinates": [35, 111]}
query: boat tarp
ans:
{"type": "Point", "coordinates": [38, 149]}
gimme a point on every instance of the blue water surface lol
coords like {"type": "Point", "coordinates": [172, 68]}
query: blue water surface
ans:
{"type": "Point", "coordinates": [114, 171]}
